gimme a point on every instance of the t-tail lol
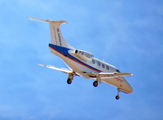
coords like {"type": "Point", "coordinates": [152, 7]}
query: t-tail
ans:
{"type": "Point", "coordinates": [55, 32]}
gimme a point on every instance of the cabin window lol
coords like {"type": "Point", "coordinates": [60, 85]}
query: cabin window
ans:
{"type": "Point", "coordinates": [103, 66]}
{"type": "Point", "coordinates": [98, 63]}
{"type": "Point", "coordinates": [107, 67]}
{"type": "Point", "coordinates": [93, 61]}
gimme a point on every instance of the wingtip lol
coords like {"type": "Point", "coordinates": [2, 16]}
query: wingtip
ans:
{"type": "Point", "coordinates": [29, 17]}
{"type": "Point", "coordinates": [41, 65]}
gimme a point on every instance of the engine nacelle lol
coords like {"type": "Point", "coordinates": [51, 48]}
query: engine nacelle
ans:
{"type": "Point", "coordinates": [82, 54]}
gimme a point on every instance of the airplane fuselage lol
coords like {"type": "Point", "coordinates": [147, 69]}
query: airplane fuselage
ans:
{"type": "Point", "coordinates": [94, 66]}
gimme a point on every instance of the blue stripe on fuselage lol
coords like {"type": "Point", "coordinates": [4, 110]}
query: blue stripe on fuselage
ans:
{"type": "Point", "coordinates": [64, 51]}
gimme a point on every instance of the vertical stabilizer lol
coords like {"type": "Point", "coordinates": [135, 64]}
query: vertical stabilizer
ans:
{"type": "Point", "coordinates": [55, 32]}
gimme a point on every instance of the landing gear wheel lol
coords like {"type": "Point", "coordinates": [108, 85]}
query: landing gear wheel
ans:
{"type": "Point", "coordinates": [69, 81]}
{"type": "Point", "coordinates": [95, 83]}
{"type": "Point", "coordinates": [117, 97]}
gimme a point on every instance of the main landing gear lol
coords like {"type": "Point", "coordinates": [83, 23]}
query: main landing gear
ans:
{"type": "Point", "coordinates": [95, 83]}
{"type": "Point", "coordinates": [70, 78]}
{"type": "Point", "coordinates": [69, 81]}
{"type": "Point", "coordinates": [98, 80]}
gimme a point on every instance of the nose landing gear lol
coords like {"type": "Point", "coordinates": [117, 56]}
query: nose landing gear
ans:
{"type": "Point", "coordinates": [70, 78]}
{"type": "Point", "coordinates": [117, 96]}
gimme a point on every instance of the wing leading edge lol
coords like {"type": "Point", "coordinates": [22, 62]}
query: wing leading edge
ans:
{"type": "Point", "coordinates": [64, 70]}
{"type": "Point", "coordinates": [105, 74]}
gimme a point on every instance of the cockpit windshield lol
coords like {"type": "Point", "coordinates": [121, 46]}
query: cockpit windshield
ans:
{"type": "Point", "coordinates": [118, 71]}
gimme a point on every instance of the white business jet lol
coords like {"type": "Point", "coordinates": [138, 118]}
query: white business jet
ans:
{"type": "Point", "coordinates": [82, 63]}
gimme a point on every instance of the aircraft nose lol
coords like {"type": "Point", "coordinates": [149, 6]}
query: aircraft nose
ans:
{"type": "Point", "coordinates": [130, 89]}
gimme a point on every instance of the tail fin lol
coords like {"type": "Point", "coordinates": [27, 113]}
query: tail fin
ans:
{"type": "Point", "coordinates": [55, 32]}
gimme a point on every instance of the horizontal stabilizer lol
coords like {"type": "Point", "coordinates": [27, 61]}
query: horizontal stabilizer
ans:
{"type": "Point", "coordinates": [61, 21]}
{"type": "Point", "coordinates": [38, 19]}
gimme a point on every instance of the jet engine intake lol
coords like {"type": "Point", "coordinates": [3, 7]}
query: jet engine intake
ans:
{"type": "Point", "coordinates": [82, 54]}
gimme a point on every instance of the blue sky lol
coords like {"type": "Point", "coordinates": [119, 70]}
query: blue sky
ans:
{"type": "Point", "coordinates": [127, 34]}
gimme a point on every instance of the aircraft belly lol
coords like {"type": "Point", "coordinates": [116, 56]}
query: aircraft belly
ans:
{"type": "Point", "coordinates": [121, 85]}
{"type": "Point", "coordinates": [110, 81]}
{"type": "Point", "coordinates": [77, 67]}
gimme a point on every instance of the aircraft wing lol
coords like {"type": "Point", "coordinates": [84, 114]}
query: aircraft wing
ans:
{"type": "Point", "coordinates": [103, 74]}
{"type": "Point", "coordinates": [114, 74]}
{"type": "Point", "coordinates": [64, 70]}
